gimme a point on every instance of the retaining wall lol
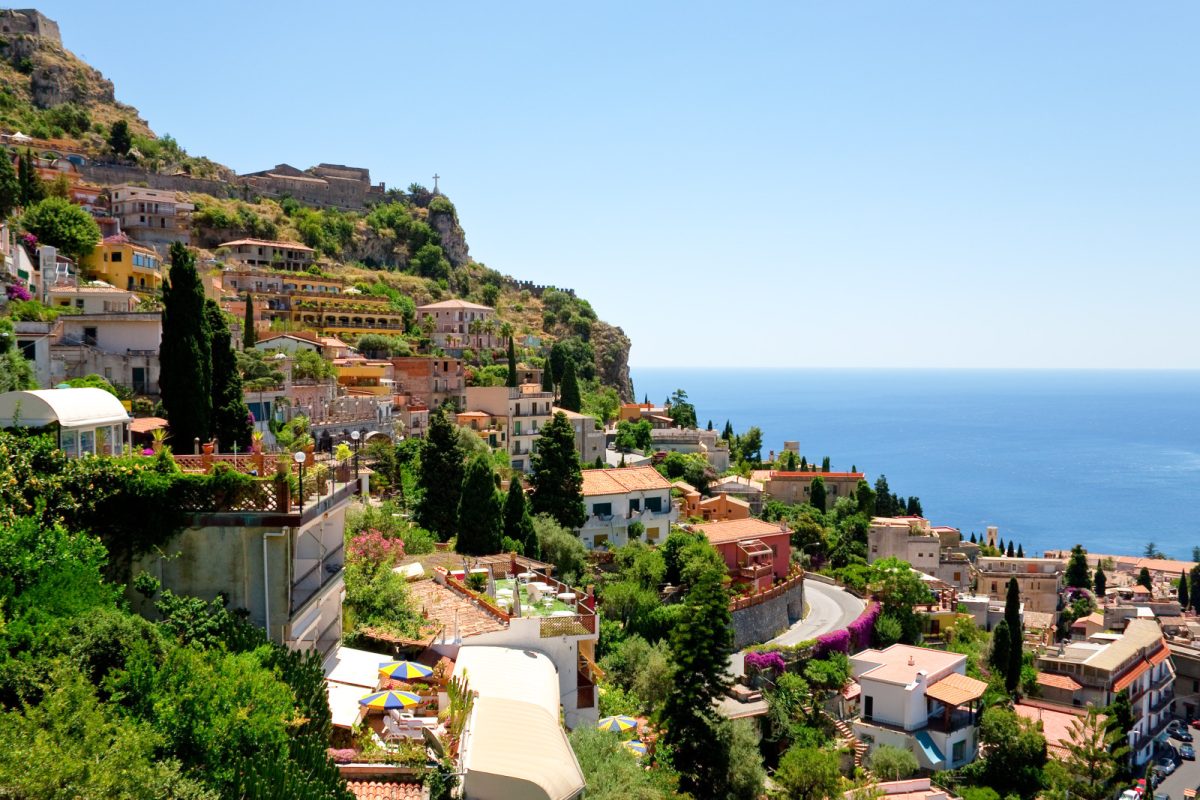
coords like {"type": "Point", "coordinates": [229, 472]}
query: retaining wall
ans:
{"type": "Point", "coordinates": [766, 620]}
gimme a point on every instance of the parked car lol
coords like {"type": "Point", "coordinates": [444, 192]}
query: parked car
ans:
{"type": "Point", "coordinates": [1186, 752]}
{"type": "Point", "coordinates": [1182, 735]}
{"type": "Point", "coordinates": [1166, 765]}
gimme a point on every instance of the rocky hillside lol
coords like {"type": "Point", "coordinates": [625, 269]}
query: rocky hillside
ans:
{"type": "Point", "coordinates": [410, 242]}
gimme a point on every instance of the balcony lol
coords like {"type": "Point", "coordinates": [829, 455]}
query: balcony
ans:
{"type": "Point", "coordinates": [316, 577]}
{"type": "Point", "coordinates": [754, 571]}
{"type": "Point", "coordinates": [958, 720]}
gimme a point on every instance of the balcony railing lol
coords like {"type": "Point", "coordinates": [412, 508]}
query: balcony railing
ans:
{"type": "Point", "coordinates": [327, 567]}
{"type": "Point", "coordinates": [754, 571]}
{"type": "Point", "coordinates": [958, 720]}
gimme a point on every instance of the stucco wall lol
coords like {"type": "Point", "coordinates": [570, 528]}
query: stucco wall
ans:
{"type": "Point", "coordinates": [768, 619]}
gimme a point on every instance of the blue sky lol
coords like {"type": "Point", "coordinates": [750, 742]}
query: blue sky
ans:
{"type": "Point", "coordinates": [918, 184]}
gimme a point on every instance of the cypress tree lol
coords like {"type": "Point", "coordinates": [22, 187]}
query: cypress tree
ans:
{"type": "Point", "coordinates": [32, 189]}
{"type": "Point", "coordinates": [185, 378]}
{"type": "Point", "coordinates": [998, 659]}
{"type": "Point", "coordinates": [727, 433]}
{"type": "Point", "coordinates": [230, 417]}
{"type": "Point", "coordinates": [479, 512]}
{"type": "Point", "coordinates": [803, 463]}
{"type": "Point", "coordinates": [1010, 552]}
{"type": "Point", "coordinates": [547, 379]}
{"type": "Point", "coordinates": [1101, 583]}
{"type": "Point", "coordinates": [972, 537]}
{"type": "Point", "coordinates": [1000, 545]}
{"type": "Point", "coordinates": [700, 645]}
{"type": "Point", "coordinates": [816, 493]}
{"type": "Point", "coordinates": [825, 464]}
{"type": "Point", "coordinates": [518, 525]}
{"type": "Point", "coordinates": [1143, 578]}
{"type": "Point", "coordinates": [1077, 569]}
{"type": "Point", "coordinates": [556, 477]}
{"type": "Point", "coordinates": [1194, 586]}
{"type": "Point", "coordinates": [569, 391]}
{"type": "Point", "coordinates": [249, 337]}
{"type": "Point", "coordinates": [1012, 615]}
{"type": "Point", "coordinates": [1020, 551]}
{"type": "Point", "coordinates": [866, 498]}
{"type": "Point", "coordinates": [441, 477]}
{"type": "Point", "coordinates": [1183, 590]}
{"type": "Point", "coordinates": [10, 187]}
{"type": "Point", "coordinates": [512, 365]}
{"type": "Point", "coordinates": [710, 425]}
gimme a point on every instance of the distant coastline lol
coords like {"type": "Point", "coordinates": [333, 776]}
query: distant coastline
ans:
{"type": "Point", "coordinates": [1105, 458]}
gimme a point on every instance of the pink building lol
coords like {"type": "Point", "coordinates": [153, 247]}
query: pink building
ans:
{"type": "Point", "coordinates": [756, 552]}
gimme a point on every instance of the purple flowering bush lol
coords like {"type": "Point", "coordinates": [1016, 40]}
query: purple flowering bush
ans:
{"type": "Point", "coordinates": [860, 629]}
{"type": "Point", "coordinates": [15, 291]}
{"type": "Point", "coordinates": [761, 662]}
{"type": "Point", "coordinates": [833, 642]}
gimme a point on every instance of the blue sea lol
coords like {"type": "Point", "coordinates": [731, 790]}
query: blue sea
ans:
{"type": "Point", "coordinates": [1107, 459]}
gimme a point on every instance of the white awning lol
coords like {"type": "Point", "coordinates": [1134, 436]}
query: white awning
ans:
{"type": "Point", "coordinates": [517, 751]}
{"type": "Point", "coordinates": [70, 408]}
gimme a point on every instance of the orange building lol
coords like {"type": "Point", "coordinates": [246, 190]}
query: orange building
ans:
{"type": "Point", "coordinates": [710, 509]}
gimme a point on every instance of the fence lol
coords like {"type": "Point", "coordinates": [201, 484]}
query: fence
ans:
{"type": "Point", "coordinates": [738, 603]}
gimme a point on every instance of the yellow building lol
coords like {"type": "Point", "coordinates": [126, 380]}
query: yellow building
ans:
{"type": "Point", "coordinates": [126, 265]}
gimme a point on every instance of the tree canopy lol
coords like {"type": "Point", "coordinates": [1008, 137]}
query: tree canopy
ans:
{"type": "Point", "coordinates": [557, 478]}
{"type": "Point", "coordinates": [185, 379]}
{"type": "Point", "coordinates": [60, 223]}
{"type": "Point", "coordinates": [441, 477]}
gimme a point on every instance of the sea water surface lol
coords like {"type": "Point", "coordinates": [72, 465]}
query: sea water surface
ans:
{"type": "Point", "coordinates": [1107, 459]}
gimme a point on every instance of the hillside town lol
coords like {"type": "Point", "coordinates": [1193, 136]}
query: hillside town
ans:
{"type": "Point", "coordinates": [275, 522]}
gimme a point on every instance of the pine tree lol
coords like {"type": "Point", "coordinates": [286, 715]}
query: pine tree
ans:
{"type": "Point", "coordinates": [1093, 760]}
{"type": "Point", "coordinates": [185, 353]}
{"type": "Point", "coordinates": [865, 496]}
{"type": "Point", "coordinates": [1120, 722]}
{"type": "Point", "coordinates": [884, 499]}
{"type": "Point", "coordinates": [31, 187]}
{"type": "Point", "coordinates": [1077, 575]}
{"type": "Point", "coordinates": [556, 478]}
{"type": "Point", "coordinates": [913, 508]}
{"type": "Point", "coordinates": [1100, 582]}
{"type": "Point", "coordinates": [119, 138]}
{"type": "Point", "coordinates": [816, 493]}
{"type": "Point", "coordinates": [231, 424]}
{"type": "Point", "coordinates": [700, 644]}
{"type": "Point", "coordinates": [441, 477]}
{"type": "Point", "coordinates": [249, 336]}
{"type": "Point", "coordinates": [569, 397]}
{"type": "Point", "coordinates": [10, 188]}
{"type": "Point", "coordinates": [479, 511]}
{"type": "Point", "coordinates": [518, 524]}
{"type": "Point", "coordinates": [1183, 590]}
{"type": "Point", "coordinates": [1012, 615]}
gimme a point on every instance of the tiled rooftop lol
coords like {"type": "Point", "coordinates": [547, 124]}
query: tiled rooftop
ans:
{"type": "Point", "coordinates": [377, 789]}
{"type": "Point", "coordinates": [737, 529]}
{"type": "Point", "coordinates": [622, 480]}
{"type": "Point", "coordinates": [439, 605]}
{"type": "Point", "coordinates": [900, 663]}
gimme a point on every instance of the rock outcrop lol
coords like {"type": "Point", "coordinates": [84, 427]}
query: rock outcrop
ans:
{"type": "Point", "coordinates": [612, 358]}
{"type": "Point", "coordinates": [454, 239]}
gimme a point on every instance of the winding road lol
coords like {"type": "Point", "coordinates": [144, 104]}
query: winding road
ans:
{"type": "Point", "coordinates": [829, 608]}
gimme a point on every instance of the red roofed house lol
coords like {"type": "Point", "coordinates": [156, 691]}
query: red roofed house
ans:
{"type": "Point", "coordinates": [794, 487]}
{"type": "Point", "coordinates": [616, 498]}
{"type": "Point", "coordinates": [755, 551]}
{"type": "Point", "coordinates": [711, 509]}
{"type": "Point", "coordinates": [1137, 660]}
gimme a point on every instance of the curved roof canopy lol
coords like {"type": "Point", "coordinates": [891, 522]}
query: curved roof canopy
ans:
{"type": "Point", "coordinates": [70, 408]}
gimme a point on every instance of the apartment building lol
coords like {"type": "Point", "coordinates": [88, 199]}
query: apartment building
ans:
{"type": "Point", "coordinates": [92, 298]}
{"type": "Point", "coordinates": [1137, 661]}
{"type": "Point", "coordinates": [757, 553]}
{"type": "Point", "coordinates": [431, 382]}
{"type": "Point", "coordinates": [794, 487]}
{"type": "Point", "coordinates": [1039, 580]}
{"type": "Point", "coordinates": [152, 216]}
{"type": "Point", "coordinates": [907, 538]}
{"type": "Point", "coordinates": [920, 700]}
{"type": "Point", "coordinates": [125, 264]}
{"type": "Point", "coordinates": [691, 440]}
{"type": "Point", "coordinates": [616, 498]}
{"type": "Point", "coordinates": [525, 411]}
{"type": "Point", "coordinates": [122, 347]}
{"type": "Point", "coordinates": [266, 254]}
{"type": "Point", "coordinates": [456, 324]}
{"type": "Point", "coordinates": [589, 436]}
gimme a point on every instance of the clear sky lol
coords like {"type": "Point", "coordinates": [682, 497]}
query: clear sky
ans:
{"type": "Point", "coordinates": [988, 184]}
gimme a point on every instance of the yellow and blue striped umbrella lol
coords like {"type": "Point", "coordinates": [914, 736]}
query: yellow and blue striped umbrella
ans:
{"type": "Point", "coordinates": [617, 724]}
{"type": "Point", "coordinates": [636, 746]}
{"type": "Point", "coordinates": [390, 699]}
{"type": "Point", "coordinates": [404, 670]}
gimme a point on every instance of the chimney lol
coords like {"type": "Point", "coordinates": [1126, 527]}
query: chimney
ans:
{"type": "Point", "coordinates": [911, 661]}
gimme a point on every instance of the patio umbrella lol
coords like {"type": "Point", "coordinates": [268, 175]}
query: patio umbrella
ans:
{"type": "Point", "coordinates": [404, 670]}
{"type": "Point", "coordinates": [516, 606]}
{"type": "Point", "coordinates": [636, 746]}
{"type": "Point", "coordinates": [491, 584]}
{"type": "Point", "coordinates": [617, 724]}
{"type": "Point", "coordinates": [390, 699]}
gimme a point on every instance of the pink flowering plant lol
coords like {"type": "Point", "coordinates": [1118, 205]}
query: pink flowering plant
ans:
{"type": "Point", "coordinates": [861, 629]}
{"type": "Point", "coordinates": [762, 662]}
{"type": "Point", "coordinates": [373, 547]}
{"type": "Point", "coordinates": [15, 291]}
{"type": "Point", "coordinates": [833, 642]}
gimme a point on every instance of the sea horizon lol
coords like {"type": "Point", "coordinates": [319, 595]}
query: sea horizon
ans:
{"type": "Point", "coordinates": [1106, 458]}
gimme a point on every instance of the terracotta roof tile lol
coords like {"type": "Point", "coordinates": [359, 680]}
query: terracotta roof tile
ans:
{"type": "Point", "coordinates": [955, 689]}
{"type": "Point", "coordinates": [439, 605]}
{"type": "Point", "coordinates": [1058, 681]}
{"type": "Point", "coordinates": [385, 789]}
{"type": "Point", "coordinates": [736, 529]}
{"type": "Point", "coordinates": [621, 480]}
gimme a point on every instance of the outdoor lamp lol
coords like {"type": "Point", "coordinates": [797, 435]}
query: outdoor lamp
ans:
{"type": "Point", "coordinates": [300, 457]}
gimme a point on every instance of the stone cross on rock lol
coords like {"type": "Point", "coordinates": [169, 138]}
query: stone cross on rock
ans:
{"type": "Point", "coordinates": [435, 180]}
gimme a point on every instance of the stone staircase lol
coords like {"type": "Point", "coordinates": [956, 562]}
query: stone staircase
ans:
{"type": "Point", "coordinates": [846, 737]}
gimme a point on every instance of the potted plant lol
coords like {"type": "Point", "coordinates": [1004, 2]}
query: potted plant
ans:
{"type": "Point", "coordinates": [157, 437]}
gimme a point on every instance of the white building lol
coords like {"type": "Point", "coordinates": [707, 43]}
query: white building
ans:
{"type": "Point", "coordinates": [120, 347]}
{"type": "Point", "coordinates": [97, 297]}
{"type": "Point", "coordinates": [589, 436]}
{"type": "Point", "coordinates": [906, 538]}
{"type": "Point", "coordinates": [920, 700]}
{"type": "Point", "coordinates": [457, 324]}
{"type": "Point", "coordinates": [87, 421]}
{"type": "Point", "coordinates": [616, 498]}
{"type": "Point", "coordinates": [692, 440]}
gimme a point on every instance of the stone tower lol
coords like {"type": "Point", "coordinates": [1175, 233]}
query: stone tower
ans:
{"type": "Point", "coordinates": [30, 22]}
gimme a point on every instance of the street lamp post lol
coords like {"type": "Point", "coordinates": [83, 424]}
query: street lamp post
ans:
{"type": "Point", "coordinates": [354, 437]}
{"type": "Point", "coordinates": [300, 457]}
